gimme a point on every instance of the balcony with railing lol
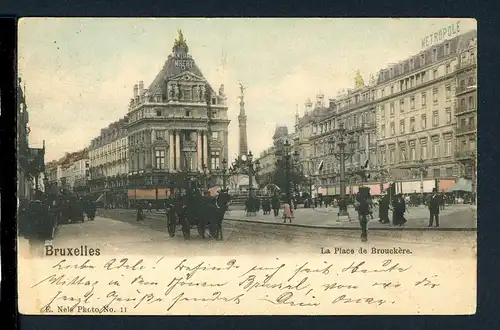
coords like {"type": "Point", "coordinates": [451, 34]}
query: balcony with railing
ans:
{"type": "Point", "coordinates": [464, 155]}
{"type": "Point", "coordinates": [188, 146]}
{"type": "Point", "coordinates": [466, 88]}
{"type": "Point", "coordinates": [466, 63]}
{"type": "Point", "coordinates": [467, 129]}
{"type": "Point", "coordinates": [465, 109]}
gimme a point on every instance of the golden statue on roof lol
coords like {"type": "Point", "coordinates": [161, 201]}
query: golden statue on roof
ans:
{"type": "Point", "coordinates": [359, 82]}
{"type": "Point", "coordinates": [180, 41]}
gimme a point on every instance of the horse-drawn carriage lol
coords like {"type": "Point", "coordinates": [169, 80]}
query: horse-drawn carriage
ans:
{"type": "Point", "coordinates": [192, 210]}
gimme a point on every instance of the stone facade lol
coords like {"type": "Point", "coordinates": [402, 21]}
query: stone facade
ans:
{"type": "Point", "coordinates": [415, 101]}
{"type": "Point", "coordinates": [168, 126]}
{"type": "Point", "coordinates": [108, 157]}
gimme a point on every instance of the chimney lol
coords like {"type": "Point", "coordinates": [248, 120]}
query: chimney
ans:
{"type": "Point", "coordinates": [135, 91]}
{"type": "Point", "coordinates": [141, 87]}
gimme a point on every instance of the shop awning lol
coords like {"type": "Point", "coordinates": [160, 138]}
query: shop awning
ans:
{"type": "Point", "coordinates": [461, 185]}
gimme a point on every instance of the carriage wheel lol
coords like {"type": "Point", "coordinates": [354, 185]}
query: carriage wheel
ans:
{"type": "Point", "coordinates": [186, 230]}
{"type": "Point", "coordinates": [171, 224]}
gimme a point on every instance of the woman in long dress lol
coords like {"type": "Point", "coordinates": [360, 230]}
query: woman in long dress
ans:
{"type": "Point", "coordinates": [398, 212]}
{"type": "Point", "coordinates": [288, 212]}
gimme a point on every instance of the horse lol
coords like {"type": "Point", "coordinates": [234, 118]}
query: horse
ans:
{"type": "Point", "coordinates": [213, 210]}
{"type": "Point", "coordinates": [202, 212]}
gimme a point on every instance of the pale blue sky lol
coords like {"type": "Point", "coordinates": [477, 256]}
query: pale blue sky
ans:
{"type": "Point", "coordinates": [79, 73]}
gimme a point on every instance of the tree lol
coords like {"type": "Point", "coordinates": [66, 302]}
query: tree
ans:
{"type": "Point", "coordinates": [279, 177]}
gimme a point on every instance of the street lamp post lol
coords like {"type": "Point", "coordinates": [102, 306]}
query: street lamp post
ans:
{"type": "Point", "coordinates": [422, 170]}
{"type": "Point", "coordinates": [342, 155]}
{"type": "Point", "coordinates": [205, 176]}
{"type": "Point", "coordinates": [225, 174]}
{"type": "Point", "coordinates": [289, 164]}
{"type": "Point", "coordinates": [246, 165]}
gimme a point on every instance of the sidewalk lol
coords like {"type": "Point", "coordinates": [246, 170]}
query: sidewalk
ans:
{"type": "Point", "coordinates": [456, 217]}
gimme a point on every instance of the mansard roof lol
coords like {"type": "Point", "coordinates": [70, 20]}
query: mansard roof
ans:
{"type": "Point", "coordinates": [455, 44]}
{"type": "Point", "coordinates": [178, 62]}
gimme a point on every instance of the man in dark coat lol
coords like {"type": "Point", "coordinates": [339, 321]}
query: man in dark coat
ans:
{"type": "Point", "coordinates": [399, 209]}
{"type": "Point", "coordinates": [434, 203]}
{"type": "Point", "coordinates": [275, 201]}
{"type": "Point", "coordinates": [383, 209]}
{"type": "Point", "coordinates": [364, 201]}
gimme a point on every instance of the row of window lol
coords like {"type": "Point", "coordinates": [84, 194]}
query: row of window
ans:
{"type": "Point", "coordinates": [416, 80]}
{"type": "Point", "coordinates": [423, 102]}
{"type": "Point", "coordinates": [412, 124]}
{"type": "Point", "coordinates": [349, 122]}
{"type": "Point", "coordinates": [188, 161]}
{"type": "Point", "coordinates": [112, 141]}
{"type": "Point", "coordinates": [404, 154]}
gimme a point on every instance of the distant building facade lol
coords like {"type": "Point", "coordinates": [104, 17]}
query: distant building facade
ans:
{"type": "Point", "coordinates": [108, 157]}
{"type": "Point", "coordinates": [268, 159]}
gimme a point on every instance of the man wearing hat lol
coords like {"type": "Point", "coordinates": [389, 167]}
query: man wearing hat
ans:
{"type": "Point", "coordinates": [364, 203]}
{"type": "Point", "coordinates": [434, 203]}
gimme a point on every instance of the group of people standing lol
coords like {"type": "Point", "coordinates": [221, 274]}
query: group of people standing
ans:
{"type": "Point", "coordinates": [399, 207]}
{"type": "Point", "coordinates": [253, 205]}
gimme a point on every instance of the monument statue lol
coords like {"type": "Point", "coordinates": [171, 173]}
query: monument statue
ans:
{"type": "Point", "coordinates": [171, 92]}
{"type": "Point", "coordinates": [242, 92]}
{"type": "Point", "coordinates": [176, 92]}
{"type": "Point", "coordinates": [180, 41]}
{"type": "Point", "coordinates": [359, 82]}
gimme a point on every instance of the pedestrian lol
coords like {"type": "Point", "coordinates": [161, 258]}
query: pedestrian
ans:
{"type": "Point", "coordinates": [434, 203]}
{"type": "Point", "coordinates": [399, 209]}
{"type": "Point", "coordinates": [287, 212]}
{"type": "Point", "coordinates": [140, 215]}
{"type": "Point", "coordinates": [364, 200]}
{"type": "Point", "coordinates": [383, 209]}
{"type": "Point", "coordinates": [275, 201]}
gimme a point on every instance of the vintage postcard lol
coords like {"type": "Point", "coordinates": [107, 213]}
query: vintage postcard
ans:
{"type": "Point", "coordinates": [247, 166]}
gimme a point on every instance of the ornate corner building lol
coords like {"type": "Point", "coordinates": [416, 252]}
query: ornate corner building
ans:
{"type": "Point", "coordinates": [176, 127]}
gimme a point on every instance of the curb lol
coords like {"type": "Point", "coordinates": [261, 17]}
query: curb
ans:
{"type": "Point", "coordinates": [350, 227]}
{"type": "Point", "coordinates": [345, 227]}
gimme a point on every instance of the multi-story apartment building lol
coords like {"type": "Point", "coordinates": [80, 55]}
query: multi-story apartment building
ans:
{"type": "Point", "coordinates": [170, 132]}
{"type": "Point", "coordinates": [268, 159]}
{"type": "Point", "coordinates": [466, 109]}
{"type": "Point", "coordinates": [108, 157]}
{"type": "Point", "coordinates": [416, 126]}
{"type": "Point", "coordinates": [74, 171]}
{"type": "Point", "coordinates": [320, 127]}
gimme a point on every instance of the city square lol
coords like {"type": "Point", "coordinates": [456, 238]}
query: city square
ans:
{"type": "Point", "coordinates": [406, 134]}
